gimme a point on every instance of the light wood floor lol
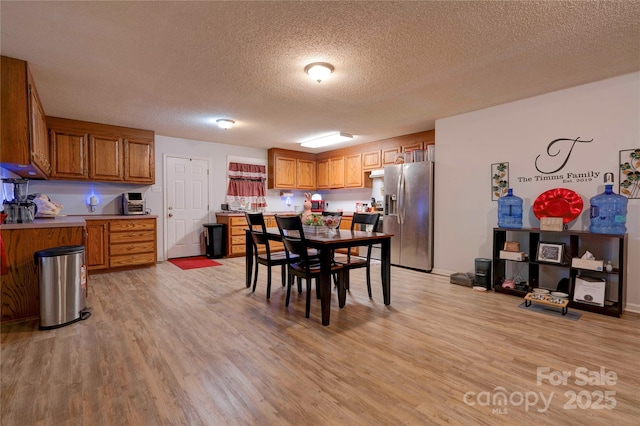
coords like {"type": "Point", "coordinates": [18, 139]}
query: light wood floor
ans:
{"type": "Point", "coordinates": [172, 347]}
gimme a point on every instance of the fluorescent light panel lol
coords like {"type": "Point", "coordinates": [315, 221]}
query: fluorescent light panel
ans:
{"type": "Point", "coordinates": [327, 140]}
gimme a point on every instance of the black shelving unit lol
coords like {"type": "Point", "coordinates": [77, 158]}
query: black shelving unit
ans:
{"type": "Point", "coordinates": [603, 246]}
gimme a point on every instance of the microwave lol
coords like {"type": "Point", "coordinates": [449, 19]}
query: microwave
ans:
{"type": "Point", "coordinates": [133, 203]}
{"type": "Point", "coordinates": [317, 205]}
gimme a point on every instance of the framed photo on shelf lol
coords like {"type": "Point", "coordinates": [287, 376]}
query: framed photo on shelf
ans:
{"type": "Point", "coordinates": [550, 252]}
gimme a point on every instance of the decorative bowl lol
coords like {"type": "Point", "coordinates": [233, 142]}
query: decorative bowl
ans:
{"type": "Point", "coordinates": [331, 223]}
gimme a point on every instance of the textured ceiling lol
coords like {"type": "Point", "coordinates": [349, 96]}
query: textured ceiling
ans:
{"type": "Point", "coordinates": [174, 67]}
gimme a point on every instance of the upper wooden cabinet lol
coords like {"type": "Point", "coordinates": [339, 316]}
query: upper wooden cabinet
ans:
{"type": "Point", "coordinates": [371, 160]}
{"type": "Point", "coordinates": [336, 172]}
{"type": "Point", "coordinates": [24, 143]}
{"type": "Point", "coordinates": [389, 155]}
{"type": "Point", "coordinates": [306, 174]}
{"type": "Point", "coordinates": [323, 174]}
{"type": "Point", "coordinates": [341, 168]}
{"type": "Point", "coordinates": [139, 160]}
{"type": "Point", "coordinates": [82, 150]}
{"type": "Point", "coordinates": [291, 170]}
{"type": "Point", "coordinates": [69, 152]}
{"type": "Point", "coordinates": [107, 160]}
{"type": "Point", "coordinates": [353, 176]}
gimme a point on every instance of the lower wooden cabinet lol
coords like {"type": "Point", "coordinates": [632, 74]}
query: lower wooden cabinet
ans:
{"type": "Point", "coordinates": [20, 297]}
{"type": "Point", "coordinates": [97, 247]}
{"type": "Point", "coordinates": [235, 234]}
{"type": "Point", "coordinates": [121, 243]}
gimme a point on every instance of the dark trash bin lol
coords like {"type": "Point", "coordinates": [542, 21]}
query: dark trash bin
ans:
{"type": "Point", "coordinates": [214, 240]}
{"type": "Point", "coordinates": [62, 283]}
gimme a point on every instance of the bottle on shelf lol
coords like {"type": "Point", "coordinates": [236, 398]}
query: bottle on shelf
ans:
{"type": "Point", "coordinates": [510, 211]}
{"type": "Point", "coordinates": [608, 212]}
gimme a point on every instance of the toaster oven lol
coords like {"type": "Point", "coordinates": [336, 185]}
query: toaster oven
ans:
{"type": "Point", "coordinates": [133, 203]}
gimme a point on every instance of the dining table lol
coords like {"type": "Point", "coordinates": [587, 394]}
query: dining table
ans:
{"type": "Point", "coordinates": [326, 242]}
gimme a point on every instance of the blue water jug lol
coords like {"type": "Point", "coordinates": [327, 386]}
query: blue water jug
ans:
{"type": "Point", "coordinates": [608, 212]}
{"type": "Point", "coordinates": [510, 211]}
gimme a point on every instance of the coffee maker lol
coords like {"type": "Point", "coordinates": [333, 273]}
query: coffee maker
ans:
{"type": "Point", "coordinates": [17, 207]}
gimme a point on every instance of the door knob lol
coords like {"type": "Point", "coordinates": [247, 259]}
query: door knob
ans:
{"type": "Point", "coordinates": [170, 214]}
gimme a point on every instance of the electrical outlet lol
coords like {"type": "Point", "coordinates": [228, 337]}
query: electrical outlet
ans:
{"type": "Point", "coordinates": [156, 188]}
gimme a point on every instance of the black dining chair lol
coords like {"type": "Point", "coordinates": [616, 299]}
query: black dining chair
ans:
{"type": "Point", "coordinates": [348, 263]}
{"type": "Point", "coordinates": [300, 264]}
{"type": "Point", "coordinates": [262, 254]}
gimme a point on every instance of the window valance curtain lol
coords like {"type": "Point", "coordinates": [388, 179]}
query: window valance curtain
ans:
{"type": "Point", "coordinates": [246, 186]}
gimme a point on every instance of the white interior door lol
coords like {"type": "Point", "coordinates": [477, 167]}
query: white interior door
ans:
{"type": "Point", "coordinates": [187, 183]}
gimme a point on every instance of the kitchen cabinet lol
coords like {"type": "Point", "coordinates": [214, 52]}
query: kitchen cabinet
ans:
{"type": "Point", "coordinates": [20, 297]}
{"type": "Point", "coordinates": [306, 174]}
{"type": "Point", "coordinates": [411, 147]}
{"type": "Point", "coordinates": [106, 162]}
{"type": "Point", "coordinates": [542, 274]}
{"type": "Point", "coordinates": [323, 174]}
{"type": "Point", "coordinates": [97, 250]}
{"type": "Point", "coordinates": [353, 176]}
{"type": "Point", "coordinates": [24, 142]}
{"type": "Point", "coordinates": [336, 172]}
{"type": "Point", "coordinates": [69, 154]}
{"type": "Point", "coordinates": [235, 228]}
{"type": "Point", "coordinates": [389, 156]}
{"type": "Point", "coordinates": [139, 161]}
{"type": "Point", "coordinates": [371, 160]}
{"type": "Point", "coordinates": [114, 244]}
{"type": "Point", "coordinates": [288, 169]}
{"type": "Point", "coordinates": [99, 152]}
{"type": "Point", "coordinates": [132, 242]}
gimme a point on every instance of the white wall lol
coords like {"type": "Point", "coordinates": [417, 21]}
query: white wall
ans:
{"type": "Point", "coordinates": [606, 111]}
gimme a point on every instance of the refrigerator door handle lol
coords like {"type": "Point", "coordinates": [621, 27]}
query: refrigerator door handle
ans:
{"type": "Point", "coordinates": [401, 184]}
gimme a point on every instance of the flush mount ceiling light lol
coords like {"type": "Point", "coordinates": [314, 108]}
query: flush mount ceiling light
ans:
{"type": "Point", "coordinates": [225, 123]}
{"type": "Point", "coordinates": [327, 140]}
{"type": "Point", "coordinates": [319, 70]}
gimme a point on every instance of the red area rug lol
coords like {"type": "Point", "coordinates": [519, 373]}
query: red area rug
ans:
{"type": "Point", "coordinates": [194, 262]}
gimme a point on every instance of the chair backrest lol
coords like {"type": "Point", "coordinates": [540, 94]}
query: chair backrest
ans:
{"type": "Point", "coordinates": [293, 237]}
{"type": "Point", "coordinates": [365, 219]}
{"type": "Point", "coordinates": [339, 214]}
{"type": "Point", "coordinates": [256, 220]}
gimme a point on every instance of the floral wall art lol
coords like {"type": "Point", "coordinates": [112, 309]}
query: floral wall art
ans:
{"type": "Point", "coordinates": [629, 179]}
{"type": "Point", "coordinates": [499, 180]}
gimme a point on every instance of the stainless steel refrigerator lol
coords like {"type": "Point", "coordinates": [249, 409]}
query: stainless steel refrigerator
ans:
{"type": "Point", "coordinates": [408, 214]}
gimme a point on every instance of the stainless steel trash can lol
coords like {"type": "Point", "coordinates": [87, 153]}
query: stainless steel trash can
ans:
{"type": "Point", "coordinates": [62, 283]}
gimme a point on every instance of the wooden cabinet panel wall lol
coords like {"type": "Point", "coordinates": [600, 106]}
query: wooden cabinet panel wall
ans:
{"type": "Point", "coordinates": [24, 143]}
{"type": "Point", "coordinates": [20, 293]}
{"type": "Point", "coordinates": [103, 152]}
